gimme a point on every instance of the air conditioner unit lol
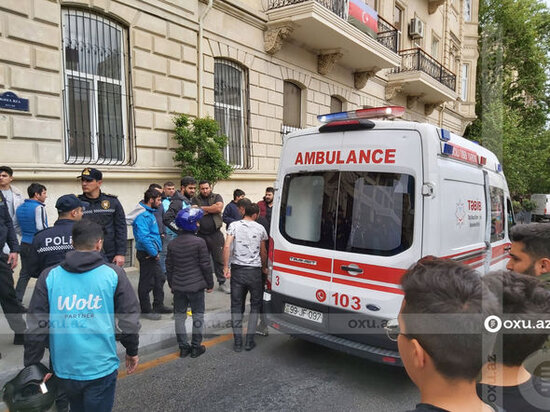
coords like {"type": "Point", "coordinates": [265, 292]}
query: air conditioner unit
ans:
{"type": "Point", "coordinates": [416, 28]}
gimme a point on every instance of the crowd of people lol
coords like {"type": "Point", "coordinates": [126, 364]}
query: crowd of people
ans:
{"type": "Point", "coordinates": [79, 265]}
{"type": "Point", "coordinates": [82, 297]}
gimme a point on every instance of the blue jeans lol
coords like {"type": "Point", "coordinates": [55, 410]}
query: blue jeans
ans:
{"type": "Point", "coordinates": [97, 395]}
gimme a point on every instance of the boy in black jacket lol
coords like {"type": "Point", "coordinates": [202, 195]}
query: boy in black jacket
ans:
{"type": "Point", "coordinates": [189, 273]}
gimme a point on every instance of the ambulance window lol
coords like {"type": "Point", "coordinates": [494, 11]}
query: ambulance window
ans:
{"type": "Point", "coordinates": [510, 213]}
{"type": "Point", "coordinates": [308, 207]}
{"type": "Point", "coordinates": [375, 213]}
{"type": "Point", "coordinates": [497, 214]}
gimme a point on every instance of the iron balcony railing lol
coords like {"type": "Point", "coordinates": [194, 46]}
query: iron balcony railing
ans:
{"type": "Point", "coordinates": [388, 35]}
{"type": "Point", "coordinates": [418, 60]}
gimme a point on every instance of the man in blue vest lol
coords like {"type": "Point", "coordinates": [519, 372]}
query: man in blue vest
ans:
{"type": "Point", "coordinates": [50, 245]}
{"type": "Point", "coordinates": [73, 310]}
{"type": "Point", "coordinates": [31, 217]}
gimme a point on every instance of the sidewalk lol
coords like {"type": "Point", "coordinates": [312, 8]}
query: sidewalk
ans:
{"type": "Point", "coordinates": [153, 334]}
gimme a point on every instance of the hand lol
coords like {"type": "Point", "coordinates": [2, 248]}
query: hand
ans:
{"type": "Point", "coordinates": [209, 290]}
{"type": "Point", "coordinates": [264, 270]}
{"type": "Point", "coordinates": [12, 260]}
{"type": "Point", "coordinates": [119, 260]}
{"type": "Point", "coordinates": [227, 273]}
{"type": "Point", "coordinates": [47, 376]}
{"type": "Point", "coordinates": [157, 257]}
{"type": "Point", "coordinates": [131, 363]}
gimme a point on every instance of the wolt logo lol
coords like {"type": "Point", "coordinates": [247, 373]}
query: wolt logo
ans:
{"type": "Point", "coordinates": [72, 302]}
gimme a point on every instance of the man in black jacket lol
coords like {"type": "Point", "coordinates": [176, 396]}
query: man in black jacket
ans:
{"type": "Point", "coordinates": [10, 305]}
{"type": "Point", "coordinates": [189, 273]}
{"type": "Point", "coordinates": [180, 200]}
{"type": "Point", "coordinates": [107, 211]}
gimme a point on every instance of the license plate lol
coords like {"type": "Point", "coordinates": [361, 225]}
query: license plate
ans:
{"type": "Point", "coordinates": [303, 313]}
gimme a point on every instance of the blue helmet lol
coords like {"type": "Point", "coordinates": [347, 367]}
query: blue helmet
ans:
{"type": "Point", "coordinates": [187, 218]}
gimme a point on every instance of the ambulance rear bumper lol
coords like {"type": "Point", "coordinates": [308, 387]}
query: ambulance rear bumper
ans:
{"type": "Point", "coordinates": [281, 323]}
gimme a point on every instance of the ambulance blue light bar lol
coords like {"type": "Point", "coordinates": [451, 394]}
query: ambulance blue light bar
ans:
{"type": "Point", "coordinates": [387, 112]}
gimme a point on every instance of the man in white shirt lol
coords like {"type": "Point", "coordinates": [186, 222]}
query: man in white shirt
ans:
{"type": "Point", "coordinates": [248, 259]}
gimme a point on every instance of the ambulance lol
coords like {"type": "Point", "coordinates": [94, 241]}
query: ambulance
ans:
{"type": "Point", "coordinates": [360, 199]}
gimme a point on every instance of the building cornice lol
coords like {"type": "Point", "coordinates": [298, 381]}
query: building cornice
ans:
{"type": "Point", "coordinates": [241, 12]}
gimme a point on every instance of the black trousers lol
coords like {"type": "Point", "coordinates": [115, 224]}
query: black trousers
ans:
{"type": "Point", "coordinates": [245, 279]}
{"type": "Point", "coordinates": [10, 305]}
{"type": "Point", "coordinates": [181, 302]}
{"type": "Point", "coordinates": [24, 275]}
{"type": "Point", "coordinates": [214, 242]}
{"type": "Point", "coordinates": [151, 278]}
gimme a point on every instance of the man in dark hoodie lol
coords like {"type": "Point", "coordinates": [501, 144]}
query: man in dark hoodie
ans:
{"type": "Point", "coordinates": [73, 310]}
{"type": "Point", "coordinates": [189, 273]}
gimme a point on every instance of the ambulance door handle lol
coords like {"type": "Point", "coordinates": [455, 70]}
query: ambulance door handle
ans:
{"type": "Point", "coordinates": [352, 268]}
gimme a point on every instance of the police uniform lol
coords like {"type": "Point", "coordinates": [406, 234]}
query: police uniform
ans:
{"type": "Point", "coordinates": [107, 211]}
{"type": "Point", "coordinates": [50, 245]}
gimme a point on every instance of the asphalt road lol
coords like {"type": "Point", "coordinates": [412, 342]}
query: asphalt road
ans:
{"type": "Point", "coordinates": [280, 374]}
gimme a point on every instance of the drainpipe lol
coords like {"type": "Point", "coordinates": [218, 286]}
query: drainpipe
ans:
{"type": "Point", "coordinates": [200, 63]}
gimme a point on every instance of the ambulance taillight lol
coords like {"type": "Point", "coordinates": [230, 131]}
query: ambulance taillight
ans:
{"type": "Point", "coordinates": [269, 263]}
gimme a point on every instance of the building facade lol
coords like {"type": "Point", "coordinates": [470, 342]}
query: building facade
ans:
{"type": "Point", "coordinates": [104, 79]}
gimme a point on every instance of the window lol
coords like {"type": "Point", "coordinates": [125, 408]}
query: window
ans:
{"type": "Point", "coordinates": [497, 214]}
{"type": "Point", "coordinates": [336, 104]}
{"type": "Point", "coordinates": [96, 90]}
{"type": "Point", "coordinates": [435, 48]}
{"type": "Point", "coordinates": [129, 257]}
{"type": "Point", "coordinates": [292, 102]}
{"type": "Point", "coordinates": [464, 82]}
{"type": "Point", "coordinates": [363, 212]}
{"type": "Point", "coordinates": [231, 110]}
{"type": "Point", "coordinates": [398, 22]}
{"type": "Point", "coordinates": [467, 10]}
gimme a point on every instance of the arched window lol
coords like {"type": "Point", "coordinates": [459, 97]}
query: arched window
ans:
{"type": "Point", "coordinates": [336, 105]}
{"type": "Point", "coordinates": [96, 90]}
{"type": "Point", "coordinates": [292, 105]}
{"type": "Point", "coordinates": [231, 109]}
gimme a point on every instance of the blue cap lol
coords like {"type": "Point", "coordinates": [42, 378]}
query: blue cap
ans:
{"type": "Point", "coordinates": [66, 203]}
{"type": "Point", "coordinates": [187, 218]}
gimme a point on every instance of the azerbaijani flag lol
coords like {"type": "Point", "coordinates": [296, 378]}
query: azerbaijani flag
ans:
{"type": "Point", "coordinates": [363, 17]}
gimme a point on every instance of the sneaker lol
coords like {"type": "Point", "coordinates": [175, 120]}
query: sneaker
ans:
{"type": "Point", "coordinates": [185, 351]}
{"type": "Point", "coordinates": [225, 288]}
{"type": "Point", "coordinates": [19, 339]}
{"type": "Point", "coordinates": [151, 316]}
{"type": "Point", "coordinates": [262, 330]}
{"type": "Point", "coordinates": [197, 351]}
{"type": "Point", "coordinates": [163, 309]}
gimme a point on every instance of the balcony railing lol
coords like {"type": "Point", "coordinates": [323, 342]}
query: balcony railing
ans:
{"type": "Point", "coordinates": [388, 35]}
{"type": "Point", "coordinates": [338, 7]}
{"type": "Point", "coordinates": [418, 60]}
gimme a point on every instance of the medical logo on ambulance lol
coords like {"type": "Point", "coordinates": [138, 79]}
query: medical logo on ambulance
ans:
{"type": "Point", "coordinates": [460, 213]}
{"type": "Point", "coordinates": [321, 295]}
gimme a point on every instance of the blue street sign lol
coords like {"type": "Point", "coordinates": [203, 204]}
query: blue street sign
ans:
{"type": "Point", "coordinates": [9, 100]}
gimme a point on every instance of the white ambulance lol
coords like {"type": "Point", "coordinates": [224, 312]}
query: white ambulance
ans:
{"type": "Point", "coordinates": [357, 202]}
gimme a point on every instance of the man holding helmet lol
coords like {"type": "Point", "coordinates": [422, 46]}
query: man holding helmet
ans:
{"type": "Point", "coordinates": [189, 273]}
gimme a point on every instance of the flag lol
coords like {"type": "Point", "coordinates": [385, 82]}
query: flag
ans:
{"type": "Point", "coordinates": [363, 17]}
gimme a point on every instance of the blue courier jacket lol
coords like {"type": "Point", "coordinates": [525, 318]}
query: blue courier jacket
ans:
{"type": "Point", "coordinates": [73, 307]}
{"type": "Point", "coordinates": [146, 229]}
{"type": "Point", "coordinates": [31, 217]}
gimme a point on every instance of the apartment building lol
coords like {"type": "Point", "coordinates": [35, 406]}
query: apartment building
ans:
{"type": "Point", "coordinates": [97, 82]}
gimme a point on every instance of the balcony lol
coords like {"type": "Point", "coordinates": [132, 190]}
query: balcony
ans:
{"type": "Point", "coordinates": [322, 27]}
{"type": "Point", "coordinates": [421, 77]}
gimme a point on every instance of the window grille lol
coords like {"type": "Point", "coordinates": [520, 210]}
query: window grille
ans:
{"type": "Point", "coordinates": [231, 110]}
{"type": "Point", "coordinates": [292, 105]}
{"type": "Point", "coordinates": [129, 257]}
{"type": "Point", "coordinates": [97, 101]}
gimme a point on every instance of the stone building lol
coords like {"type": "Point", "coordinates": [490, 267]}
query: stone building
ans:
{"type": "Point", "coordinates": [103, 79]}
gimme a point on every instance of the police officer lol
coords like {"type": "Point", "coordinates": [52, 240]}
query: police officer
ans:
{"type": "Point", "coordinates": [50, 245]}
{"type": "Point", "coordinates": [108, 212]}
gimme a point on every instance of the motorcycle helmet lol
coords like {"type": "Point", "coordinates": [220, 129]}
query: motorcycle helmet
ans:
{"type": "Point", "coordinates": [27, 392]}
{"type": "Point", "coordinates": [187, 218]}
